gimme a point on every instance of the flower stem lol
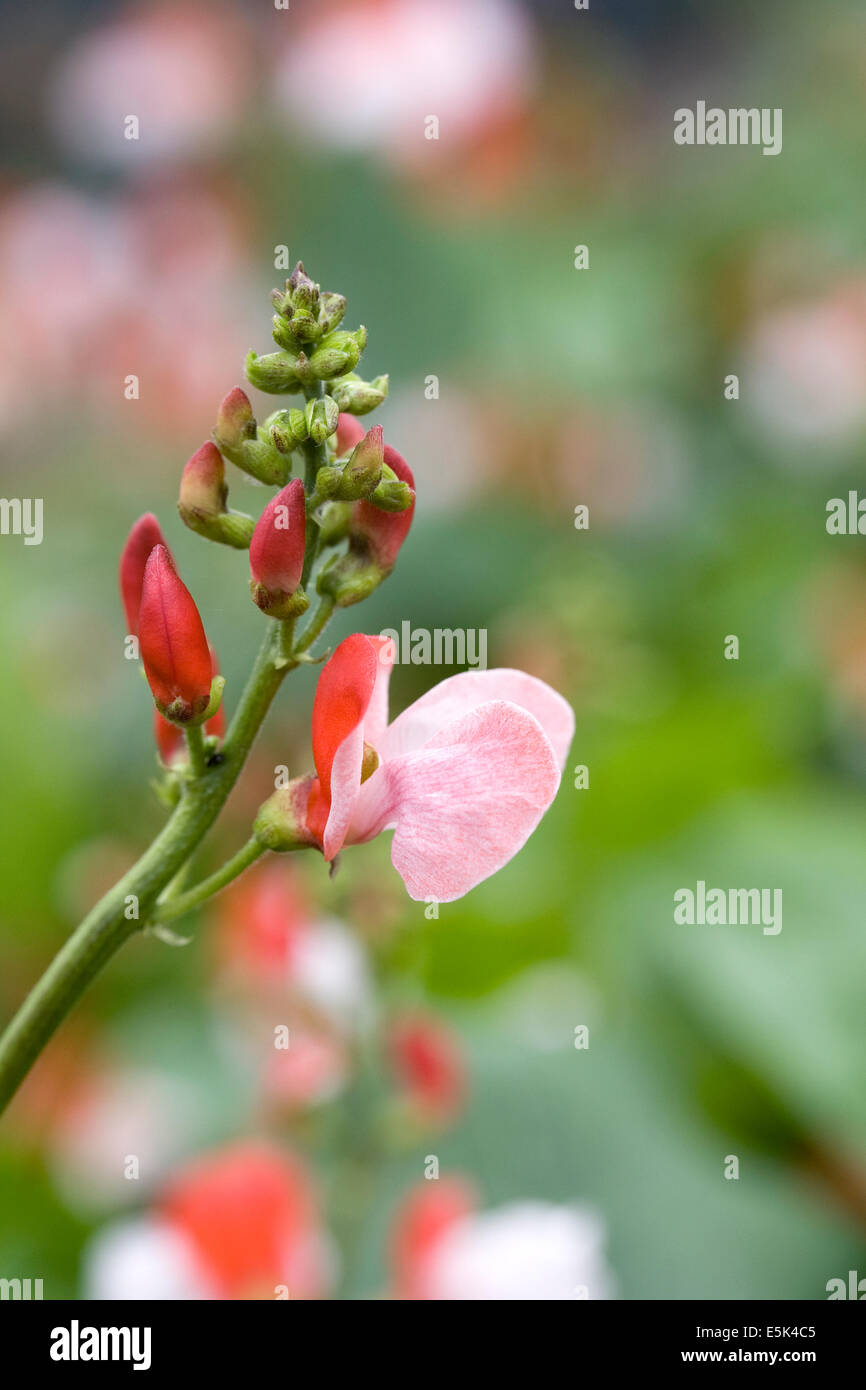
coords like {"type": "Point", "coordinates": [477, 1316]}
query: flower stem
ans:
{"type": "Point", "coordinates": [316, 625]}
{"type": "Point", "coordinates": [129, 905]}
{"type": "Point", "coordinates": [195, 744]}
{"type": "Point", "coordinates": [167, 909]}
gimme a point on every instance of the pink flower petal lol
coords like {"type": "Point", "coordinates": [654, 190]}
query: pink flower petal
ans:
{"type": "Point", "coordinates": [459, 694]}
{"type": "Point", "coordinates": [465, 803]}
{"type": "Point", "coordinates": [351, 696]}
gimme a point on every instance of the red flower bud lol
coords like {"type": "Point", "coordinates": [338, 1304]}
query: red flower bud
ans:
{"type": "Point", "coordinates": [382, 533]}
{"type": "Point", "coordinates": [169, 738]}
{"type": "Point", "coordinates": [235, 420]}
{"type": "Point", "coordinates": [349, 433]}
{"type": "Point", "coordinates": [141, 540]}
{"type": "Point", "coordinates": [172, 640]}
{"type": "Point", "coordinates": [203, 488]}
{"type": "Point", "coordinates": [277, 553]}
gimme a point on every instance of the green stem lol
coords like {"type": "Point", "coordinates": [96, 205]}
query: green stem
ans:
{"type": "Point", "coordinates": [195, 744]}
{"type": "Point", "coordinates": [315, 457]}
{"type": "Point", "coordinates": [316, 625]}
{"type": "Point", "coordinates": [167, 909]}
{"type": "Point", "coordinates": [127, 907]}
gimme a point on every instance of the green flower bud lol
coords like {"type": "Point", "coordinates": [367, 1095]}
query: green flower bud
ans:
{"type": "Point", "coordinates": [263, 460]}
{"type": "Point", "coordinates": [246, 447]}
{"type": "Point", "coordinates": [331, 310]}
{"type": "Point", "coordinates": [202, 501]}
{"type": "Point", "coordinates": [306, 375]}
{"type": "Point", "coordinates": [357, 397]}
{"type": "Point", "coordinates": [321, 416]}
{"type": "Point", "coordinates": [350, 578]}
{"type": "Point", "coordinates": [327, 483]}
{"type": "Point", "coordinates": [328, 362]}
{"type": "Point", "coordinates": [281, 822]}
{"type": "Point", "coordinates": [362, 471]}
{"type": "Point", "coordinates": [278, 430]}
{"type": "Point", "coordinates": [334, 520]}
{"type": "Point", "coordinates": [392, 495]}
{"type": "Point", "coordinates": [283, 335]}
{"type": "Point", "coordinates": [275, 372]}
{"type": "Point", "coordinates": [235, 423]}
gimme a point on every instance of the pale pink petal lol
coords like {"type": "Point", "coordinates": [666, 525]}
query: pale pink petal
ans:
{"type": "Point", "coordinates": [459, 694]}
{"type": "Point", "coordinates": [376, 718]}
{"type": "Point", "coordinates": [465, 803]}
{"type": "Point", "coordinates": [345, 785]}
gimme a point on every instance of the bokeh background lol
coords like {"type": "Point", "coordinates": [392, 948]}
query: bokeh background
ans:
{"type": "Point", "coordinates": [262, 128]}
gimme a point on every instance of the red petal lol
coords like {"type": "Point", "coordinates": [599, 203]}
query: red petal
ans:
{"type": "Point", "coordinates": [250, 1213]}
{"type": "Point", "coordinates": [342, 698]}
{"type": "Point", "coordinates": [172, 640]}
{"type": "Point", "coordinates": [141, 540]}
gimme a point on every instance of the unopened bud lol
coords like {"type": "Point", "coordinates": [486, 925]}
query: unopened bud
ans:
{"type": "Point", "coordinates": [174, 648]}
{"type": "Point", "coordinates": [202, 501]}
{"type": "Point", "coordinates": [170, 742]}
{"type": "Point", "coordinates": [392, 494]}
{"type": "Point", "coordinates": [328, 480]}
{"type": "Point", "coordinates": [337, 354]}
{"type": "Point", "coordinates": [363, 470]}
{"type": "Point", "coordinates": [332, 307]}
{"type": "Point", "coordinates": [375, 538]}
{"type": "Point", "coordinates": [275, 372]}
{"type": "Point", "coordinates": [142, 539]}
{"type": "Point", "coordinates": [252, 450]}
{"type": "Point", "coordinates": [321, 416]}
{"type": "Point", "coordinates": [277, 554]}
{"type": "Point", "coordinates": [281, 824]}
{"type": "Point", "coordinates": [334, 521]}
{"type": "Point", "coordinates": [283, 334]}
{"type": "Point", "coordinates": [235, 422]}
{"type": "Point", "coordinates": [359, 397]}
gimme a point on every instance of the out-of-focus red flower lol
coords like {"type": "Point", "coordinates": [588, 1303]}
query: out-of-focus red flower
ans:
{"type": "Point", "coordinates": [241, 1223]}
{"type": "Point", "coordinates": [429, 1064]}
{"type": "Point", "coordinates": [429, 1210]}
{"type": "Point", "coordinates": [259, 921]}
{"type": "Point", "coordinates": [251, 1214]}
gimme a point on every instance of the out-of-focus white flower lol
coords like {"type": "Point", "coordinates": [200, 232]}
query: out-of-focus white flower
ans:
{"type": "Point", "coordinates": [807, 368]}
{"type": "Point", "coordinates": [150, 1117]}
{"type": "Point", "coordinates": [523, 1251]}
{"type": "Point", "coordinates": [181, 70]}
{"type": "Point", "coordinates": [395, 63]}
{"type": "Point", "coordinates": [443, 1248]}
{"type": "Point", "coordinates": [328, 966]}
{"type": "Point", "coordinates": [144, 1259]}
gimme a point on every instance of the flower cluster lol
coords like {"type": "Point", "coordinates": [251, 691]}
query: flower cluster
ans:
{"type": "Point", "coordinates": [463, 776]}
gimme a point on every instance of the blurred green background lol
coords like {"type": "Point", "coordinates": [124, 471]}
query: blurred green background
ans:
{"type": "Point", "coordinates": [556, 387]}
